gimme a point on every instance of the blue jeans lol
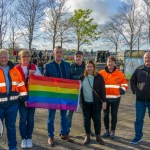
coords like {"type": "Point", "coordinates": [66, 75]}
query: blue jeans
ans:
{"type": "Point", "coordinates": [9, 112]}
{"type": "Point", "coordinates": [140, 114]}
{"type": "Point", "coordinates": [69, 119]}
{"type": "Point", "coordinates": [26, 123]}
{"type": "Point", "coordinates": [63, 122]}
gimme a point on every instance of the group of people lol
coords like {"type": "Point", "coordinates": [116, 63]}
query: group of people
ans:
{"type": "Point", "coordinates": [39, 56]}
{"type": "Point", "coordinates": [100, 90]}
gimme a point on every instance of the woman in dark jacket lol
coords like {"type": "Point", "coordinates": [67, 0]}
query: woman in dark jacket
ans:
{"type": "Point", "coordinates": [92, 100]}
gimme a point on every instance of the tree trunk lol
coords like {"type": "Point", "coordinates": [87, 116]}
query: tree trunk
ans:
{"type": "Point", "coordinates": [130, 50]}
{"type": "Point", "coordinates": [0, 44]}
{"type": "Point", "coordinates": [61, 41]}
{"type": "Point", "coordinates": [54, 41]}
{"type": "Point", "coordinates": [149, 35]}
{"type": "Point", "coordinates": [131, 46]}
{"type": "Point", "coordinates": [116, 48]}
{"type": "Point", "coordinates": [13, 46]}
{"type": "Point", "coordinates": [30, 39]}
{"type": "Point", "coordinates": [1, 40]}
{"type": "Point", "coordinates": [13, 43]}
{"type": "Point", "coordinates": [78, 46]}
{"type": "Point", "coordinates": [138, 46]}
{"type": "Point", "coordinates": [30, 44]}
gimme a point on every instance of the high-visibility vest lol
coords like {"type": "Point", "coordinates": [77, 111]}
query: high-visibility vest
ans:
{"type": "Point", "coordinates": [17, 86]}
{"type": "Point", "coordinates": [113, 82]}
{"type": "Point", "coordinates": [30, 67]}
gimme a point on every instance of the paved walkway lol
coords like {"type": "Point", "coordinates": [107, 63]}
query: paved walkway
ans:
{"type": "Point", "coordinates": [124, 132]}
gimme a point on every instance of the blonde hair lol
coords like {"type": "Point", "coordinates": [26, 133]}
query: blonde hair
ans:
{"type": "Point", "coordinates": [94, 66]}
{"type": "Point", "coordinates": [23, 52]}
{"type": "Point", "coordinates": [4, 51]}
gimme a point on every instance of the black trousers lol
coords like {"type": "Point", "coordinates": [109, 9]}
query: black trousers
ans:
{"type": "Point", "coordinates": [113, 105]}
{"type": "Point", "coordinates": [89, 112]}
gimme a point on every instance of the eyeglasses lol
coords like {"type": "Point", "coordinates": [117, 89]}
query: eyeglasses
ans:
{"type": "Point", "coordinates": [26, 56]}
{"type": "Point", "coordinates": [59, 52]}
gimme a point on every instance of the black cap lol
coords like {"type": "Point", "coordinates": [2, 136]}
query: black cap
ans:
{"type": "Point", "coordinates": [78, 53]}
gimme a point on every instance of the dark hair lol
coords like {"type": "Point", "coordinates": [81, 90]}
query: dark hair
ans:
{"type": "Point", "coordinates": [58, 47]}
{"type": "Point", "coordinates": [94, 66]}
{"type": "Point", "coordinates": [112, 58]}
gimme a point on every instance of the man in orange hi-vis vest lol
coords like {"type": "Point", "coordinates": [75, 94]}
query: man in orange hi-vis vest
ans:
{"type": "Point", "coordinates": [12, 89]}
{"type": "Point", "coordinates": [116, 85]}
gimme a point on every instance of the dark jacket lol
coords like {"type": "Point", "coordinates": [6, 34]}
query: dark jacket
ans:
{"type": "Point", "coordinates": [140, 83]}
{"type": "Point", "coordinates": [51, 70]}
{"type": "Point", "coordinates": [99, 87]}
{"type": "Point", "coordinates": [77, 70]}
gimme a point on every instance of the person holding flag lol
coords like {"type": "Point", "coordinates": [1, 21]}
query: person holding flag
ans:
{"type": "Point", "coordinates": [58, 69]}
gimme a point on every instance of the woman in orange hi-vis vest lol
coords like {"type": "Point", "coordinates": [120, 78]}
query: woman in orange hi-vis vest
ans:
{"type": "Point", "coordinates": [116, 85]}
{"type": "Point", "coordinates": [12, 89]}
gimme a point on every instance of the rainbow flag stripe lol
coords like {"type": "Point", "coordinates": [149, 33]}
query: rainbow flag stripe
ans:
{"type": "Point", "coordinates": [53, 93]}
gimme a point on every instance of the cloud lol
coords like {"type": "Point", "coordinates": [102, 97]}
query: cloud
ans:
{"type": "Point", "coordinates": [101, 13]}
{"type": "Point", "coordinates": [100, 8]}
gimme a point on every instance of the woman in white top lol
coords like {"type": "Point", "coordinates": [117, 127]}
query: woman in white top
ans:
{"type": "Point", "coordinates": [26, 123]}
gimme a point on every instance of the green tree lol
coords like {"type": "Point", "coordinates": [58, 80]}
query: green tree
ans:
{"type": "Point", "coordinates": [84, 28]}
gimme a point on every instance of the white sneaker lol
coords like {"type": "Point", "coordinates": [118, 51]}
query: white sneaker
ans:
{"type": "Point", "coordinates": [24, 143]}
{"type": "Point", "coordinates": [29, 143]}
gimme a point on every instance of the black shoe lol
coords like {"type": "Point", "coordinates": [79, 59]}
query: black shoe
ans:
{"type": "Point", "coordinates": [112, 135]}
{"type": "Point", "coordinates": [106, 134]}
{"type": "Point", "coordinates": [86, 140]}
{"type": "Point", "coordinates": [99, 140]}
{"type": "Point", "coordinates": [92, 134]}
{"type": "Point", "coordinates": [66, 138]}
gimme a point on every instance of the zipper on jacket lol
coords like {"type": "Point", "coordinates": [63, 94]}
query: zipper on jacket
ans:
{"type": "Point", "coordinates": [8, 95]}
{"type": "Point", "coordinates": [60, 70]}
{"type": "Point", "coordinates": [10, 86]}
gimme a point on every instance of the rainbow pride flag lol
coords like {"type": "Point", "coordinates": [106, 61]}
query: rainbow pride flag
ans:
{"type": "Point", "coordinates": [53, 93]}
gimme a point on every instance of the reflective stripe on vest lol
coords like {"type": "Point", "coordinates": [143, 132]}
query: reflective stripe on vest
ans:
{"type": "Point", "coordinates": [13, 83]}
{"type": "Point", "coordinates": [11, 98]}
{"type": "Point", "coordinates": [123, 88]}
{"type": "Point", "coordinates": [112, 86]}
{"type": "Point", "coordinates": [21, 84]}
{"type": "Point", "coordinates": [112, 96]}
{"type": "Point", "coordinates": [22, 93]}
{"type": "Point", "coordinates": [2, 84]}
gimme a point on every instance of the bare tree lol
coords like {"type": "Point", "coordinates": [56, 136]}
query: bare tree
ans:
{"type": "Point", "coordinates": [55, 13]}
{"type": "Point", "coordinates": [128, 23]}
{"type": "Point", "coordinates": [147, 2]}
{"type": "Point", "coordinates": [63, 27]}
{"type": "Point", "coordinates": [141, 35]}
{"type": "Point", "coordinates": [4, 15]}
{"type": "Point", "coordinates": [13, 30]}
{"type": "Point", "coordinates": [30, 13]}
{"type": "Point", "coordinates": [110, 34]}
{"type": "Point", "coordinates": [146, 16]}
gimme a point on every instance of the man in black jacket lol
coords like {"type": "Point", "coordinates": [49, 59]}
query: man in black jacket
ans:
{"type": "Point", "coordinates": [140, 85]}
{"type": "Point", "coordinates": [77, 68]}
